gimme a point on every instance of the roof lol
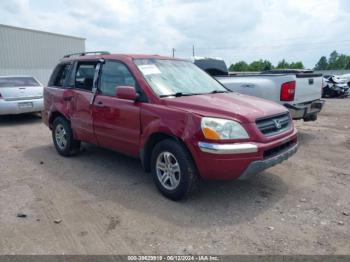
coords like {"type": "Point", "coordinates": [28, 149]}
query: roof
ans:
{"type": "Point", "coordinates": [119, 56]}
{"type": "Point", "coordinates": [40, 32]}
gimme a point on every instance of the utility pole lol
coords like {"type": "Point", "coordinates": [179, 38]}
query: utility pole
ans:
{"type": "Point", "coordinates": [174, 52]}
{"type": "Point", "coordinates": [193, 50]}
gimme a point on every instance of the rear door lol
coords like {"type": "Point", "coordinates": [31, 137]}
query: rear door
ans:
{"type": "Point", "coordinates": [56, 91]}
{"type": "Point", "coordinates": [20, 88]}
{"type": "Point", "coordinates": [84, 74]}
{"type": "Point", "coordinates": [308, 87]}
{"type": "Point", "coordinates": [116, 121]}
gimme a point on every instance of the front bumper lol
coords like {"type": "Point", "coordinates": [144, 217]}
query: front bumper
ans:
{"type": "Point", "coordinates": [238, 148]}
{"type": "Point", "coordinates": [232, 161]}
{"type": "Point", "coordinates": [260, 165]}
{"type": "Point", "coordinates": [15, 107]}
{"type": "Point", "coordinates": [301, 111]}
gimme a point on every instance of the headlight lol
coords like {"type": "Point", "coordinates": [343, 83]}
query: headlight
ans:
{"type": "Point", "coordinates": [218, 129]}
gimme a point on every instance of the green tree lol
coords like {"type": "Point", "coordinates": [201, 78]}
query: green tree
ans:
{"type": "Point", "coordinates": [342, 61]}
{"type": "Point", "coordinates": [296, 65]}
{"type": "Point", "coordinates": [256, 65]}
{"type": "Point", "coordinates": [322, 64]}
{"type": "Point", "coordinates": [348, 65]}
{"type": "Point", "coordinates": [282, 65]}
{"type": "Point", "coordinates": [239, 67]}
{"type": "Point", "coordinates": [338, 61]}
{"type": "Point", "coordinates": [260, 65]}
{"type": "Point", "coordinates": [333, 57]}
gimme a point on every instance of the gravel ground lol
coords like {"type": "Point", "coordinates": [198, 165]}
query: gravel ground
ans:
{"type": "Point", "coordinates": [101, 202]}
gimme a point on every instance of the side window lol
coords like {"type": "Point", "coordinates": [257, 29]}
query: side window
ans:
{"type": "Point", "coordinates": [84, 76]}
{"type": "Point", "coordinates": [115, 74]}
{"type": "Point", "coordinates": [59, 75]}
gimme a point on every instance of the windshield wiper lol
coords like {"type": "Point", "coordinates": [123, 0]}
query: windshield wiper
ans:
{"type": "Point", "coordinates": [219, 91]}
{"type": "Point", "coordinates": [178, 94]}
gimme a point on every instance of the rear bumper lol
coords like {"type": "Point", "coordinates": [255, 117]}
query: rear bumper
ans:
{"type": "Point", "coordinates": [241, 160]}
{"type": "Point", "coordinates": [304, 110]}
{"type": "Point", "coordinates": [14, 107]}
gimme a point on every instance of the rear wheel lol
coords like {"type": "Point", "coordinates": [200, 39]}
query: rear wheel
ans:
{"type": "Point", "coordinates": [62, 136]}
{"type": "Point", "coordinates": [173, 170]}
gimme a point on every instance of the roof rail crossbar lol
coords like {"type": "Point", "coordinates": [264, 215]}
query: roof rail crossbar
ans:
{"type": "Point", "coordinates": [87, 53]}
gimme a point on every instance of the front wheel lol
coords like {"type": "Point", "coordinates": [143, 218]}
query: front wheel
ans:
{"type": "Point", "coordinates": [173, 170]}
{"type": "Point", "coordinates": [62, 136]}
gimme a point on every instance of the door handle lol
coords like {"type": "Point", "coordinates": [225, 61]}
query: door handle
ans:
{"type": "Point", "coordinates": [99, 104]}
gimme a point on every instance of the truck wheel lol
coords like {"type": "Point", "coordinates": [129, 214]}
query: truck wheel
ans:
{"type": "Point", "coordinates": [173, 170]}
{"type": "Point", "coordinates": [309, 118]}
{"type": "Point", "coordinates": [62, 136]}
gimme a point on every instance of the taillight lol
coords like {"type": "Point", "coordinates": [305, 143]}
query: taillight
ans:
{"type": "Point", "coordinates": [288, 91]}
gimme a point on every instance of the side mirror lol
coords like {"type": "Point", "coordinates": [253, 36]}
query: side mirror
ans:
{"type": "Point", "coordinates": [126, 92]}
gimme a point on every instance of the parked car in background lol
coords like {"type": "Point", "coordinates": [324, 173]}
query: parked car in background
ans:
{"type": "Point", "coordinates": [298, 90]}
{"type": "Point", "coordinates": [335, 86]}
{"type": "Point", "coordinates": [178, 120]}
{"type": "Point", "coordinates": [20, 94]}
{"type": "Point", "coordinates": [347, 77]}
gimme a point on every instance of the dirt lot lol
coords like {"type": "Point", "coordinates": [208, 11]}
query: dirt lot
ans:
{"type": "Point", "coordinates": [108, 205]}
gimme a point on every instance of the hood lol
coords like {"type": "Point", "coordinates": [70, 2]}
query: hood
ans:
{"type": "Point", "coordinates": [236, 106]}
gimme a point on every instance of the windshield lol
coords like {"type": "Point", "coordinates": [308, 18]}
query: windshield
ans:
{"type": "Point", "coordinates": [176, 78]}
{"type": "Point", "coordinates": [18, 81]}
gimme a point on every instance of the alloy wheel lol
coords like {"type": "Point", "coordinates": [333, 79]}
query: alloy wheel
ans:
{"type": "Point", "coordinates": [168, 170]}
{"type": "Point", "coordinates": [61, 136]}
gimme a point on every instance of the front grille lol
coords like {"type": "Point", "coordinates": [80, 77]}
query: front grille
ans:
{"type": "Point", "coordinates": [274, 125]}
{"type": "Point", "coordinates": [278, 149]}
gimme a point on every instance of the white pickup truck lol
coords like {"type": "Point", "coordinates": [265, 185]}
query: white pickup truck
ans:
{"type": "Point", "coordinates": [298, 90]}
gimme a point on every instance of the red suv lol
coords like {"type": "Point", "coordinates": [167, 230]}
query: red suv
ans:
{"type": "Point", "coordinates": [181, 123]}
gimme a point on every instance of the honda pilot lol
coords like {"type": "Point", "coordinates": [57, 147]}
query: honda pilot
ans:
{"type": "Point", "coordinates": [182, 123]}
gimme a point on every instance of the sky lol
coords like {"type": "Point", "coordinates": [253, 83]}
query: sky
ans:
{"type": "Point", "coordinates": [295, 30]}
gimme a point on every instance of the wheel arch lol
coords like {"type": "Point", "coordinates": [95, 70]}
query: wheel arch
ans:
{"type": "Point", "coordinates": [54, 115]}
{"type": "Point", "coordinates": [151, 142]}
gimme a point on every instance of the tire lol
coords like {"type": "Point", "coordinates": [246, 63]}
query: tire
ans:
{"type": "Point", "coordinates": [62, 136]}
{"type": "Point", "coordinates": [183, 178]}
{"type": "Point", "coordinates": [309, 118]}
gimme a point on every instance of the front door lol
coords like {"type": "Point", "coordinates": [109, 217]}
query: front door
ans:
{"type": "Point", "coordinates": [116, 121]}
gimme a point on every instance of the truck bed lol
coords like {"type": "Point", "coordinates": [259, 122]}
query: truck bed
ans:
{"type": "Point", "coordinates": [268, 85]}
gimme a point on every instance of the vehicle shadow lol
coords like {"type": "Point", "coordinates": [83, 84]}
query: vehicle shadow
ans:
{"type": "Point", "coordinates": [104, 175]}
{"type": "Point", "coordinates": [305, 137]}
{"type": "Point", "coordinates": [22, 119]}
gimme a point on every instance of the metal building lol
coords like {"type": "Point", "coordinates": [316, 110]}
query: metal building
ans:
{"type": "Point", "coordinates": [32, 52]}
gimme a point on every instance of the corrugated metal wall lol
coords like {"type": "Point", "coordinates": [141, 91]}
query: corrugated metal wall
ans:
{"type": "Point", "coordinates": [31, 52]}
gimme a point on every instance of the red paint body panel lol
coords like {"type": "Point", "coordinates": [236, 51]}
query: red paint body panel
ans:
{"type": "Point", "coordinates": [80, 112]}
{"type": "Point", "coordinates": [126, 126]}
{"type": "Point", "coordinates": [117, 124]}
{"type": "Point", "coordinates": [223, 167]}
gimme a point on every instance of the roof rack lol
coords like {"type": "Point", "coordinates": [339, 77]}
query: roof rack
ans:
{"type": "Point", "coordinates": [88, 53]}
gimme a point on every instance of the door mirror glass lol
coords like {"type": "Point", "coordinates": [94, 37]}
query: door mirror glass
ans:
{"type": "Point", "coordinates": [126, 92]}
